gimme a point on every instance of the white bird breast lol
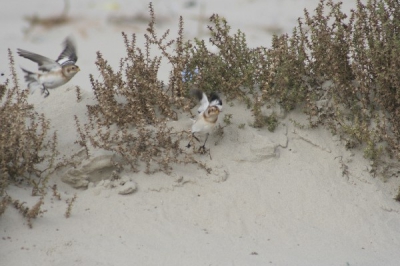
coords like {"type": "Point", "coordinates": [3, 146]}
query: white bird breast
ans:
{"type": "Point", "coordinates": [201, 125]}
{"type": "Point", "coordinates": [52, 81]}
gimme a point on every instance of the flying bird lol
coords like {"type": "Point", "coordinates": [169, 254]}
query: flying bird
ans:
{"type": "Point", "coordinates": [52, 74]}
{"type": "Point", "coordinates": [207, 114]}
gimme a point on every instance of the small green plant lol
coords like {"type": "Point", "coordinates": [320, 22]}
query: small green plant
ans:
{"type": "Point", "coordinates": [372, 152]}
{"type": "Point", "coordinates": [228, 119]}
{"type": "Point", "coordinates": [297, 124]}
{"type": "Point", "coordinates": [272, 122]}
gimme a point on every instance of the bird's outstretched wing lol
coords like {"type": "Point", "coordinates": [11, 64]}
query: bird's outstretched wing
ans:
{"type": "Point", "coordinates": [68, 56]}
{"type": "Point", "coordinates": [202, 98]}
{"type": "Point", "coordinates": [45, 64]}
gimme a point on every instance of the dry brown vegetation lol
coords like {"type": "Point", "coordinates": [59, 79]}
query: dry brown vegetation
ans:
{"type": "Point", "coordinates": [50, 21]}
{"type": "Point", "coordinates": [346, 73]}
{"type": "Point", "coordinates": [27, 149]}
{"type": "Point", "coordinates": [340, 69]}
{"type": "Point", "coordinates": [134, 107]}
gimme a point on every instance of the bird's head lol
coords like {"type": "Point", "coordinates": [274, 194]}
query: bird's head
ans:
{"type": "Point", "coordinates": [213, 111]}
{"type": "Point", "coordinates": [71, 70]}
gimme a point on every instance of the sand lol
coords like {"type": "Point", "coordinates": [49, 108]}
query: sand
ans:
{"type": "Point", "coordinates": [291, 197]}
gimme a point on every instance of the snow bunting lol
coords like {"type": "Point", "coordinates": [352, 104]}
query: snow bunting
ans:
{"type": "Point", "coordinates": [207, 114]}
{"type": "Point", "coordinates": [52, 73]}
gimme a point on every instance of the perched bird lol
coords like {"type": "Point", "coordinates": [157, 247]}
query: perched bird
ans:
{"type": "Point", "coordinates": [52, 73]}
{"type": "Point", "coordinates": [207, 114]}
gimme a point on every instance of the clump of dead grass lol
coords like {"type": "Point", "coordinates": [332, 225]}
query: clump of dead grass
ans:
{"type": "Point", "coordinates": [27, 153]}
{"type": "Point", "coordinates": [349, 75]}
{"type": "Point", "coordinates": [134, 107]}
{"type": "Point", "coordinates": [50, 21]}
{"type": "Point", "coordinates": [27, 150]}
{"type": "Point", "coordinates": [339, 68]}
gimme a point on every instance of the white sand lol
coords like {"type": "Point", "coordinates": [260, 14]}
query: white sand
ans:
{"type": "Point", "coordinates": [272, 198]}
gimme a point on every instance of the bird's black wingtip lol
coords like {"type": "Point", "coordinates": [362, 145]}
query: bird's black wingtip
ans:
{"type": "Point", "coordinates": [21, 52]}
{"type": "Point", "coordinates": [215, 97]}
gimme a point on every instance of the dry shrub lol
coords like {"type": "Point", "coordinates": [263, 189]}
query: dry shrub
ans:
{"type": "Point", "coordinates": [344, 73]}
{"type": "Point", "coordinates": [134, 107]}
{"type": "Point", "coordinates": [70, 203]}
{"type": "Point", "coordinates": [51, 21]}
{"type": "Point", "coordinates": [358, 55]}
{"type": "Point", "coordinates": [340, 69]}
{"type": "Point", "coordinates": [233, 71]}
{"type": "Point", "coordinates": [4, 203]}
{"type": "Point", "coordinates": [26, 151]}
{"type": "Point", "coordinates": [28, 213]}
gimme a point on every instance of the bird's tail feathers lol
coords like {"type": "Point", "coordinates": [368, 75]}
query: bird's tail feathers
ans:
{"type": "Point", "coordinates": [32, 80]}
